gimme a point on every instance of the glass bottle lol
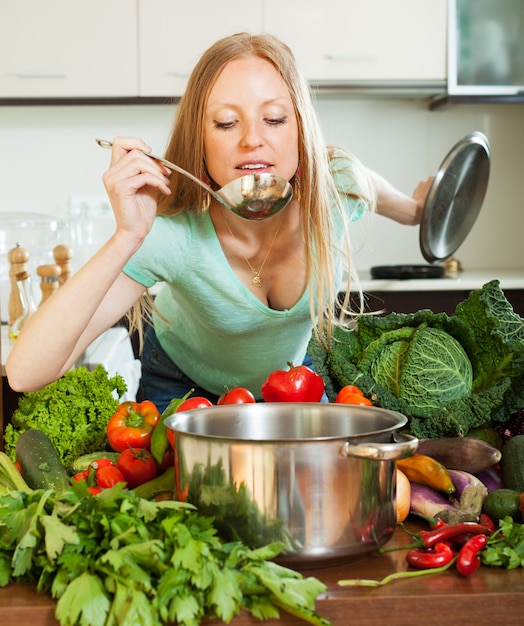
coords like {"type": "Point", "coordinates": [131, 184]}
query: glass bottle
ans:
{"type": "Point", "coordinates": [23, 282]}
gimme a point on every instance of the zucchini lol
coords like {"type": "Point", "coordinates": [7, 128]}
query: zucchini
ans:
{"type": "Point", "coordinates": [512, 463]}
{"type": "Point", "coordinates": [163, 483]}
{"type": "Point", "coordinates": [84, 461]}
{"type": "Point", "coordinates": [40, 464]}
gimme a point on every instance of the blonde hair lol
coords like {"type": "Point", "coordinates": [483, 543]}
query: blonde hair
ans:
{"type": "Point", "coordinates": [318, 194]}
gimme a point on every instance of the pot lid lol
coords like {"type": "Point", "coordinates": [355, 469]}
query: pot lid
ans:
{"type": "Point", "coordinates": [455, 197]}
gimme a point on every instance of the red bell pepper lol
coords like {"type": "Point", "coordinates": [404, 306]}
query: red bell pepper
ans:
{"type": "Point", "coordinates": [298, 384]}
{"type": "Point", "coordinates": [132, 425]}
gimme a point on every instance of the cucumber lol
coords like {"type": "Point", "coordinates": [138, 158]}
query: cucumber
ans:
{"type": "Point", "coordinates": [84, 461]}
{"type": "Point", "coordinates": [40, 464]}
{"type": "Point", "coordinates": [512, 463]}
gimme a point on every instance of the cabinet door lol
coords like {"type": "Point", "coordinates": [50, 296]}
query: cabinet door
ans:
{"type": "Point", "coordinates": [68, 48]}
{"type": "Point", "coordinates": [174, 33]}
{"type": "Point", "coordinates": [363, 40]}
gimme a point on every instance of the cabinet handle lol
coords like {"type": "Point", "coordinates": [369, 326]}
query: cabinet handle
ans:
{"type": "Point", "coordinates": [178, 74]}
{"type": "Point", "coordinates": [343, 58]}
{"type": "Point", "coordinates": [41, 75]}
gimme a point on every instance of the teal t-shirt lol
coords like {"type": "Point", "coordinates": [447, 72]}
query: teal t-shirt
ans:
{"type": "Point", "coordinates": [218, 333]}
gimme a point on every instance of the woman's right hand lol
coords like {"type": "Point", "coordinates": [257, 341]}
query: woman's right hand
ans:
{"type": "Point", "coordinates": [133, 182]}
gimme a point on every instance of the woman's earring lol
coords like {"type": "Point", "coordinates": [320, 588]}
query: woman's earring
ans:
{"type": "Point", "coordinates": [295, 181]}
{"type": "Point", "coordinates": [206, 201]}
{"type": "Point", "coordinates": [206, 197]}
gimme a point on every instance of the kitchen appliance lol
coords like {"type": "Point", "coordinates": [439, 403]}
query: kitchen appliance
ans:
{"type": "Point", "coordinates": [253, 197]}
{"type": "Point", "coordinates": [452, 206]}
{"type": "Point", "coordinates": [320, 477]}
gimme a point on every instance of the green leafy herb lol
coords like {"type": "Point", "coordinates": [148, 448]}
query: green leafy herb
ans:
{"type": "Point", "coordinates": [72, 411]}
{"type": "Point", "coordinates": [506, 547]}
{"type": "Point", "coordinates": [117, 559]}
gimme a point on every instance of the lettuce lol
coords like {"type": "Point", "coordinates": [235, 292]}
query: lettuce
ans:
{"type": "Point", "coordinates": [72, 411]}
{"type": "Point", "coordinates": [447, 374]}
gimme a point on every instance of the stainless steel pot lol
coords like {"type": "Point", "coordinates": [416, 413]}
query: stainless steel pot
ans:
{"type": "Point", "coordinates": [318, 477]}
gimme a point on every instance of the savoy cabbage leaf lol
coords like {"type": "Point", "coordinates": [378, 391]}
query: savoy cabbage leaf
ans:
{"type": "Point", "coordinates": [444, 386]}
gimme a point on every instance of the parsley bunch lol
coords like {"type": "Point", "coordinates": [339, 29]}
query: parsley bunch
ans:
{"type": "Point", "coordinates": [117, 559]}
{"type": "Point", "coordinates": [505, 547]}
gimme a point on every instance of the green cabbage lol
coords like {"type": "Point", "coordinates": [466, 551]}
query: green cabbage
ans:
{"type": "Point", "coordinates": [447, 374]}
{"type": "Point", "coordinates": [426, 367]}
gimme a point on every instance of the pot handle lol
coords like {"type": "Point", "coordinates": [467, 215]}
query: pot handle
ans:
{"type": "Point", "coordinates": [401, 447]}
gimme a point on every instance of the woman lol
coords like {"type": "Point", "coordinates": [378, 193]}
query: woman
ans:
{"type": "Point", "coordinates": [240, 298]}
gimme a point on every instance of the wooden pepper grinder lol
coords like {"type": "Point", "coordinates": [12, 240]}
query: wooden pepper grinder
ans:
{"type": "Point", "coordinates": [63, 255]}
{"type": "Point", "coordinates": [18, 258]}
{"type": "Point", "coordinates": [50, 275]}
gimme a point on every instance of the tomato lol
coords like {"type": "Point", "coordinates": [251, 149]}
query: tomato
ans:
{"type": "Point", "coordinates": [108, 476]}
{"type": "Point", "coordinates": [101, 463]}
{"type": "Point", "coordinates": [137, 466]}
{"type": "Point", "coordinates": [352, 395]}
{"type": "Point", "coordinates": [94, 491]}
{"type": "Point", "coordinates": [195, 402]}
{"type": "Point", "coordinates": [298, 384]}
{"type": "Point", "coordinates": [355, 398]}
{"type": "Point", "coordinates": [101, 474]}
{"type": "Point", "coordinates": [81, 476]}
{"type": "Point", "coordinates": [168, 459]}
{"type": "Point", "coordinates": [237, 395]}
{"type": "Point", "coordinates": [350, 389]}
{"type": "Point", "coordinates": [132, 425]}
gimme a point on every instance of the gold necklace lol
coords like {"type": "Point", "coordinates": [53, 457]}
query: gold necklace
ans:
{"type": "Point", "coordinates": [256, 280]}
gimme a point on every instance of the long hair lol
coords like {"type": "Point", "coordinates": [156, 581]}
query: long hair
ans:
{"type": "Point", "coordinates": [318, 195]}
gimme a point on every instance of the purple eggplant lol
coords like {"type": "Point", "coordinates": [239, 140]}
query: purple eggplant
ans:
{"type": "Point", "coordinates": [461, 453]}
{"type": "Point", "coordinates": [470, 491]}
{"type": "Point", "coordinates": [492, 478]}
{"type": "Point", "coordinates": [428, 503]}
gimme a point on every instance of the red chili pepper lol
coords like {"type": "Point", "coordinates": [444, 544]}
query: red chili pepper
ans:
{"type": "Point", "coordinates": [426, 558]}
{"type": "Point", "coordinates": [430, 538]}
{"type": "Point", "coordinates": [468, 560]}
{"type": "Point", "coordinates": [486, 521]}
{"type": "Point", "coordinates": [437, 522]}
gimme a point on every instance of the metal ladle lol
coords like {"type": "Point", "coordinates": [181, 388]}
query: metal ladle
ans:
{"type": "Point", "coordinates": [253, 196]}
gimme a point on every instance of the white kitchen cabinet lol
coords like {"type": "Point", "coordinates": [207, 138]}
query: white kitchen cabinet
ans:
{"type": "Point", "coordinates": [363, 40]}
{"type": "Point", "coordinates": [174, 33]}
{"type": "Point", "coordinates": [68, 48]}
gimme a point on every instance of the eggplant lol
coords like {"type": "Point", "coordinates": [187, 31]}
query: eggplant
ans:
{"type": "Point", "coordinates": [470, 491]}
{"type": "Point", "coordinates": [461, 453]}
{"type": "Point", "coordinates": [428, 503]}
{"type": "Point", "coordinates": [492, 479]}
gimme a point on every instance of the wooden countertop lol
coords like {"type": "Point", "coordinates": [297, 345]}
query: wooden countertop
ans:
{"type": "Point", "coordinates": [490, 596]}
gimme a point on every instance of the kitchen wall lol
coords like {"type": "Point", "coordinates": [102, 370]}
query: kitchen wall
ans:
{"type": "Point", "coordinates": [48, 156]}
